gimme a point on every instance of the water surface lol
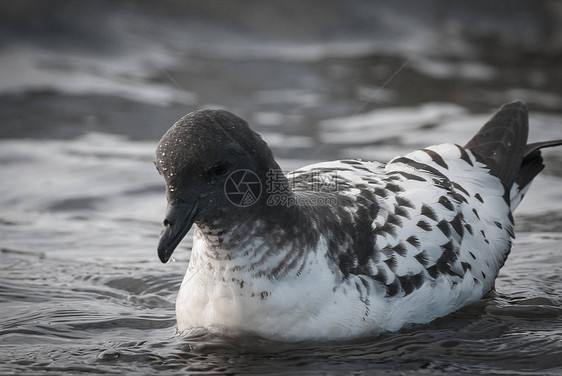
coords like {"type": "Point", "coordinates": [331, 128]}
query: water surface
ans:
{"type": "Point", "coordinates": [87, 91]}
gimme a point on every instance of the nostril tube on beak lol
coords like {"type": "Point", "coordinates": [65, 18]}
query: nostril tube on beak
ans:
{"type": "Point", "coordinates": [179, 219]}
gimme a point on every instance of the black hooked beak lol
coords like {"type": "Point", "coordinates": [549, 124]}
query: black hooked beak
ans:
{"type": "Point", "coordinates": [179, 219]}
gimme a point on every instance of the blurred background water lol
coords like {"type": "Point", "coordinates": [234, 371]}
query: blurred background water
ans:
{"type": "Point", "coordinates": [87, 89]}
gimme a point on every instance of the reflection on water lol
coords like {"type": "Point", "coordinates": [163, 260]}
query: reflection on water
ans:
{"type": "Point", "coordinates": [87, 91]}
{"type": "Point", "coordinates": [86, 316]}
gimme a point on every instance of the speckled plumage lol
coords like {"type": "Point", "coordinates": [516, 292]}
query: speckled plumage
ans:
{"type": "Point", "coordinates": [380, 247]}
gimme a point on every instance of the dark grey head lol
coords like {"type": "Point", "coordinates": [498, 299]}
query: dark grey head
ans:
{"type": "Point", "coordinates": [196, 157]}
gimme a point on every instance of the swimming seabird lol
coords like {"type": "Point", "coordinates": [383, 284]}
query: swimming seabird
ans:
{"type": "Point", "coordinates": [344, 248]}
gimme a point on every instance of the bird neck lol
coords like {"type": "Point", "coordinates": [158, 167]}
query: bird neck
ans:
{"type": "Point", "coordinates": [266, 245]}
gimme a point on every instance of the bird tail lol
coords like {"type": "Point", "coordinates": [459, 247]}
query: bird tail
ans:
{"type": "Point", "coordinates": [501, 144]}
{"type": "Point", "coordinates": [531, 165]}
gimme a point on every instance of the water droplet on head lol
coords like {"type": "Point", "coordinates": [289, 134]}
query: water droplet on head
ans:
{"type": "Point", "coordinates": [173, 259]}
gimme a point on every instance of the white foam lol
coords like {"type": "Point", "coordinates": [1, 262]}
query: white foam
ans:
{"type": "Point", "coordinates": [385, 124]}
{"type": "Point", "coordinates": [468, 70]}
{"type": "Point", "coordinates": [281, 140]}
{"type": "Point", "coordinates": [125, 76]}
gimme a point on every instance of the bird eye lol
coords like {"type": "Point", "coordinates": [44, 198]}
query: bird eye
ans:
{"type": "Point", "coordinates": [218, 169]}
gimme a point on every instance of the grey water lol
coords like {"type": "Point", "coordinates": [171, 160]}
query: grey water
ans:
{"type": "Point", "coordinates": [87, 89]}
